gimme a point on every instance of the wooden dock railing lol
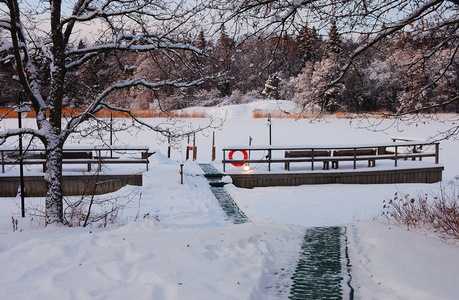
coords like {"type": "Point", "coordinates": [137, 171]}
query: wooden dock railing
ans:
{"type": "Point", "coordinates": [370, 152]}
{"type": "Point", "coordinates": [86, 155]}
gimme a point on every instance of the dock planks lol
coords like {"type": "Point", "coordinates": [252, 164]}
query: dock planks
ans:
{"type": "Point", "coordinates": [85, 184]}
{"type": "Point", "coordinates": [396, 175]}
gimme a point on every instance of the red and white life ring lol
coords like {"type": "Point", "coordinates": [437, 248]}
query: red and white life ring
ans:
{"type": "Point", "coordinates": [230, 156]}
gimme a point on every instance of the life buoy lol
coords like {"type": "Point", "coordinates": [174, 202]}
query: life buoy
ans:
{"type": "Point", "coordinates": [230, 156]}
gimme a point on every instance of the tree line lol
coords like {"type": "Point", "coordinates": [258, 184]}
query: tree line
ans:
{"type": "Point", "coordinates": [294, 66]}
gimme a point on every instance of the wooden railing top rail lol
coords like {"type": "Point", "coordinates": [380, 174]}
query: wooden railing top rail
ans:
{"type": "Point", "coordinates": [82, 148]}
{"type": "Point", "coordinates": [404, 138]}
{"type": "Point", "coordinates": [329, 147]}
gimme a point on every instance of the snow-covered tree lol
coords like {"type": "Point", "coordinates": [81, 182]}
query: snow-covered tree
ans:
{"type": "Point", "coordinates": [201, 43]}
{"type": "Point", "coordinates": [272, 86]}
{"type": "Point", "coordinates": [225, 50]}
{"type": "Point", "coordinates": [311, 90]}
{"type": "Point", "coordinates": [285, 57]}
{"type": "Point", "coordinates": [333, 45]}
{"type": "Point", "coordinates": [308, 43]}
{"type": "Point", "coordinates": [45, 31]}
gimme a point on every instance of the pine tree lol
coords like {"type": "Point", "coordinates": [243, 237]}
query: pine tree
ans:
{"type": "Point", "coordinates": [81, 44]}
{"type": "Point", "coordinates": [272, 86]}
{"type": "Point", "coordinates": [308, 43]}
{"type": "Point", "coordinates": [225, 52]}
{"type": "Point", "coordinates": [285, 56]}
{"type": "Point", "coordinates": [334, 41]}
{"type": "Point", "coordinates": [225, 42]}
{"type": "Point", "coordinates": [202, 43]}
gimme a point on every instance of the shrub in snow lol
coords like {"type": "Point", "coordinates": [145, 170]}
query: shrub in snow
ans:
{"type": "Point", "coordinates": [207, 98]}
{"type": "Point", "coordinates": [97, 210]}
{"type": "Point", "coordinates": [237, 97]}
{"type": "Point", "coordinates": [435, 212]}
{"type": "Point", "coordinates": [15, 223]}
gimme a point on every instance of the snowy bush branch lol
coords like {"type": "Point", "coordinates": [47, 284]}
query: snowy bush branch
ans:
{"type": "Point", "coordinates": [435, 212]}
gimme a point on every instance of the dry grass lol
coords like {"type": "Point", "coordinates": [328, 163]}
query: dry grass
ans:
{"type": "Point", "coordinates": [279, 114]}
{"type": "Point", "coordinates": [195, 113]}
{"type": "Point", "coordinates": [140, 113]}
{"type": "Point", "coordinates": [9, 113]}
{"type": "Point", "coordinates": [435, 212]}
{"type": "Point", "coordinates": [258, 113]}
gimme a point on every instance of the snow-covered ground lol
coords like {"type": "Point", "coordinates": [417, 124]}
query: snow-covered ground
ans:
{"type": "Point", "coordinates": [172, 241]}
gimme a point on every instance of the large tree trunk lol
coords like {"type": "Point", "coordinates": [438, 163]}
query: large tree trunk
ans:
{"type": "Point", "coordinates": [53, 179]}
{"type": "Point", "coordinates": [54, 141]}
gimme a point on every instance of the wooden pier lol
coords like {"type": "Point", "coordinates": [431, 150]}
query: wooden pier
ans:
{"type": "Point", "coordinates": [361, 176]}
{"type": "Point", "coordinates": [74, 183]}
{"type": "Point", "coordinates": [394, 162]}
{"type": "Point", "coordinates": [84, 184]}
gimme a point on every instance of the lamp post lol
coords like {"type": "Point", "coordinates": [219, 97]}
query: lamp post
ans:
{"type": "Point", "coordinates": [21, 110]}
{"type": "Point", "coordinates": [269, 123]}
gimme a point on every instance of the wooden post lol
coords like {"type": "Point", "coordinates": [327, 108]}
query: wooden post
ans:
{"type": "Point", "coordinates": [181, 173]}
{"type": "Point", "coordinates": [224, 161]}
{"type": "Point", "coordinates": [195, 150]}
{"type": "Point", "coordinates": [169, 147]}
{"type": "Point", "coordinates": [213, 146]}
{"type": "Point", "coordinates": [437, 153]}
{"type": "Point", "coordinates": [269, 159]}
{"type": "Point", "coordinates": [355, 158]}
{"type": "Point", "coordinates": [146, 157]}
{"type": "Point", "coordinates": [3, 161]}
{"type": "Point", "coordinates": [250, 144]}
{"type": "Point", "coordinates": [188, 148]}
{"type": "Point", "coordinates": [312, 159]}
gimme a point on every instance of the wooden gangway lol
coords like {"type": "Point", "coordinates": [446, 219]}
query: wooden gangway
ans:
{"type": "Point", "coordinates": [340, 158]}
